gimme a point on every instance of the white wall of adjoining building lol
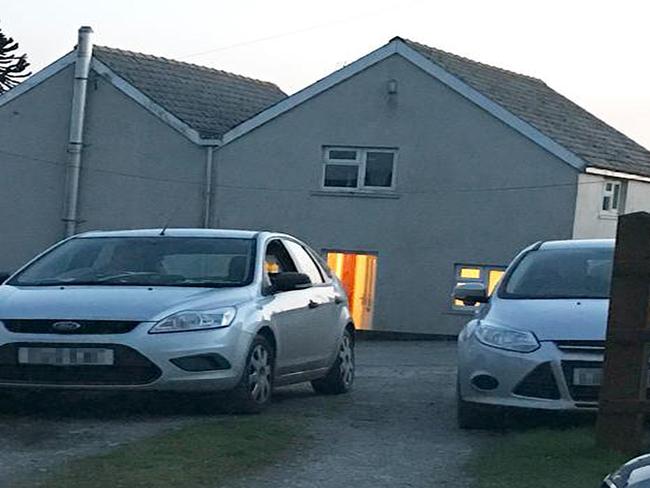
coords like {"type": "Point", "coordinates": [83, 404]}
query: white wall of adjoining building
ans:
{"type": "Point", "coordinates": [590, 221]}
{"type": "Point", "coordinates": [638, 197]}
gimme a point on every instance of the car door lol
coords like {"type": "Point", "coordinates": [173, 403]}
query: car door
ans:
{"type": "Point", "coordinates": [321, 328]}
{"type": "Point", "coordinates": [289, 311]}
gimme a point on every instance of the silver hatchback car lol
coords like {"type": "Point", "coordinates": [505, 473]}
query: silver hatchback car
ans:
{"type": "Point", "coordinates": [178, 309]}
{"type": "Point", "coordinates": [538, 341]}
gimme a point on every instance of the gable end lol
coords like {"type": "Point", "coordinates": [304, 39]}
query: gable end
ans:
{"type": "Point", "coordinates": [400, 47]}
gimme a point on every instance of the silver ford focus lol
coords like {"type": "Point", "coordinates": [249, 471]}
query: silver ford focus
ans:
{"type": "Point", "coordinates": [199, 310]}
{"type": "Point", "coordinates": [538, 341]}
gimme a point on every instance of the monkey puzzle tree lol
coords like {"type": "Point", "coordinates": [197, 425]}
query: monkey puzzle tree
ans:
{"type": "Point", "coordinates": [12, 66]}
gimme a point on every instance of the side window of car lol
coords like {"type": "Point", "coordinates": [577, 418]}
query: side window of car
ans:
{"type": "Point", "coordinates": [277, 259]}
{"type": "Point", "coordinates": [305, 262]}
{"type": "Point", "coordinates": [321, 263]}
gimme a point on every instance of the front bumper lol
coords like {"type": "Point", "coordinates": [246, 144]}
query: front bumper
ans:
{"type": "Point", "coordinates": [542, 379]}
{"type": "Point", "coordinates": [143, 361]}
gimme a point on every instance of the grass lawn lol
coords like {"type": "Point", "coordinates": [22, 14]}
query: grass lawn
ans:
{"type": "Point", "coordinates": [199, 455]}
{"type": "Point", "coordinates": [543, 458]}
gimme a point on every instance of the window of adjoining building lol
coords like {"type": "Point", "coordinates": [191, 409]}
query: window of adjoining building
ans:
{"type": "Point", "coordinates": [613, 196]}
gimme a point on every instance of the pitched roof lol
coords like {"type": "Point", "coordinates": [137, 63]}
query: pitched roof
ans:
{"type": "Point", "coordinates": [208, 100]}
{"type": "Point", "coordinates": [530, 99]}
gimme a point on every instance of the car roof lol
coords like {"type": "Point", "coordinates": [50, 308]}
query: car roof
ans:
{"type": "Point", "coordinates": [579, 244]}
{"type": "Point", "coordinates": [240, 234]}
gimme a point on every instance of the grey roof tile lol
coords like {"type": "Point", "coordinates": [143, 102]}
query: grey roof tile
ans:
{"type": "Point", "coordinates": [530, 99]}
{"type": "Point", "coordinates": [210, 101]}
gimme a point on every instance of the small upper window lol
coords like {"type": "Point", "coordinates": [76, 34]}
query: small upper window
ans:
{"type": "Point", "coordinates": [612, 197]}
{"type": "Point", "coordinates": [344, 154]}
{"type": "Point", "coordinates": [361, 169]}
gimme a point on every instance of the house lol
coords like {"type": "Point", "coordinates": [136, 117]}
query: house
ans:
{"type": "Point", "coordinates": [411, 169]}
{"type": "Point", "coordinates": [149, 127]}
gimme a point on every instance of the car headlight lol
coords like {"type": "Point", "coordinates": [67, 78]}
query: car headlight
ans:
{"type": "Point", "coordinates": [195, 320]}
{"type": "Point", "coordinates": [506, 338]}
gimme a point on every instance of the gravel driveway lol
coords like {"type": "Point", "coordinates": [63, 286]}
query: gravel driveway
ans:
{"type": "Point", "coordinates": [396, 429]}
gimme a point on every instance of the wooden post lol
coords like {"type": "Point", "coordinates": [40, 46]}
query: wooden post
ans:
{"type": "Point", "coordinates": [623, 393]}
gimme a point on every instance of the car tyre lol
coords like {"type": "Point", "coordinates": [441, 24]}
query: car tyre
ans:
{"type": "Point", "coordinates": [340, 377]}
{"type": "Point", "coordinates": [253, 393]}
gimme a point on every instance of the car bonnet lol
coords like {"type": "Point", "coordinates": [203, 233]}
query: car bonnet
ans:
{"type": "Point", "coordinates": [552, 319]}
{"type": "Point", "coordinates": [141, 303]}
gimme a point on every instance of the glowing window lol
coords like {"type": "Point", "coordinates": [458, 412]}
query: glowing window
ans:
{"type": "Point", "coordinates": [472, 273]}
{"type": "Point", "coordinates": [487, 275]}
{"type": "Point", "coordinates": [494, 276]}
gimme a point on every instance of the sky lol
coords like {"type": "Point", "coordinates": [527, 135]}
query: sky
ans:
{"type": "Point", "coordinates": [594, 52]}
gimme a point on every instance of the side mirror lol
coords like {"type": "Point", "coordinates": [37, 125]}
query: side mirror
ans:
{"type": "Point", "coordinates": [471, 293]}
{"type": "Point", "coordinates": [4, 276]}
{"type": "Point", "coordinates": [290, 281]}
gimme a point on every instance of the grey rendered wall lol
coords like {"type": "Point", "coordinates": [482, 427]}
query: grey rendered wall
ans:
{"type": "Point", "coordinates": [33, 135]}
{"type": "Point", "coordinates": [138, 171]}
{"type": "Point", "coordinates": [455, 163]}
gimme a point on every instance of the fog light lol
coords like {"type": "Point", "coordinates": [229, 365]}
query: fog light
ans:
{"type": "Point", "coordinates": [201, 362]}
{"type": "Point", "coordinates": [485, 382]}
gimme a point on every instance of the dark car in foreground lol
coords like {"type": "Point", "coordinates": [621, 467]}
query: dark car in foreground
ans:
{"type": "Point", "coordinates": [633, 474]}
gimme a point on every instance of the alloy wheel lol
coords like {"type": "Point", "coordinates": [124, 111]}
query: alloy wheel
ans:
{"type": "Point", "coordinates": [259, 374]}
{"type": "Point", "coordinates": [346, 355]}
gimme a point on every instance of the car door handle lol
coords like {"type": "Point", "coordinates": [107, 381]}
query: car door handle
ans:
{"type": "Point", "coordinates": [338, 300]}
{"type": "Point", "coordinates": [313, 304]}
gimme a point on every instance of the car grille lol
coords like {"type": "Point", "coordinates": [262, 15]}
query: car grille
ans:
{"type": "Point", "coordinates": [539, 383]}
{"type": "Point", "coordinates": [130, 368]}
{"type": "Point", "coordinates": [594, 347]}
{"type": "Point", "coordinates": [581, 393]}
{"type": "Point", "coordinates": [85, 326]}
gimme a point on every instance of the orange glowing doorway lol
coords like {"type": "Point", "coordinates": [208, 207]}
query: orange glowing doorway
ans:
{"type": "Point", "coordinates": [358, 272]}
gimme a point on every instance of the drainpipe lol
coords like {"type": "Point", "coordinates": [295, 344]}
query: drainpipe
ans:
{"type": "Point", "coordinates": [75, 140]}
{"type": "Point", "coordinates": [207, 196]}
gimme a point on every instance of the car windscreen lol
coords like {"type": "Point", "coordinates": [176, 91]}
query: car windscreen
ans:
{"type": "Point", "coordinates": [146, 261]}
{"type": "Point", "coordinates": [561, 273]}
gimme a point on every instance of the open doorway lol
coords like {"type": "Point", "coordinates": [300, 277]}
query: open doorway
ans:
{"type": "Point", "coordinates": [358, 272]}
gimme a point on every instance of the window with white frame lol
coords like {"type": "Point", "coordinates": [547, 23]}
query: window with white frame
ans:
{"type": "Point", "coordinates": [489, 276]}
{"type": "Point", "coordinates": [359, 168]}
{"type": "Point", "coordinates": [612, 202]}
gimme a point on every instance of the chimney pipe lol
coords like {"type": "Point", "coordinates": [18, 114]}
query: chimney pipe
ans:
{"type": "Point", "coordinates": [75, 140]}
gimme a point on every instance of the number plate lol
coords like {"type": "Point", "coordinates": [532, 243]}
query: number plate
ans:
{"type": "Point", "coordinates": [591, 377]}
{"type": "Point", "coordinates": [587, 376]}
{"type": "Point", "coordinates": [66, 356]}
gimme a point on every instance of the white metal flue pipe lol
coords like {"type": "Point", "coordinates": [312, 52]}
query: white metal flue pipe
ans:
{"type": "Point", "coordinates": [207, 195]}
{"type": "Point", "coordinates": [75, 140]}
